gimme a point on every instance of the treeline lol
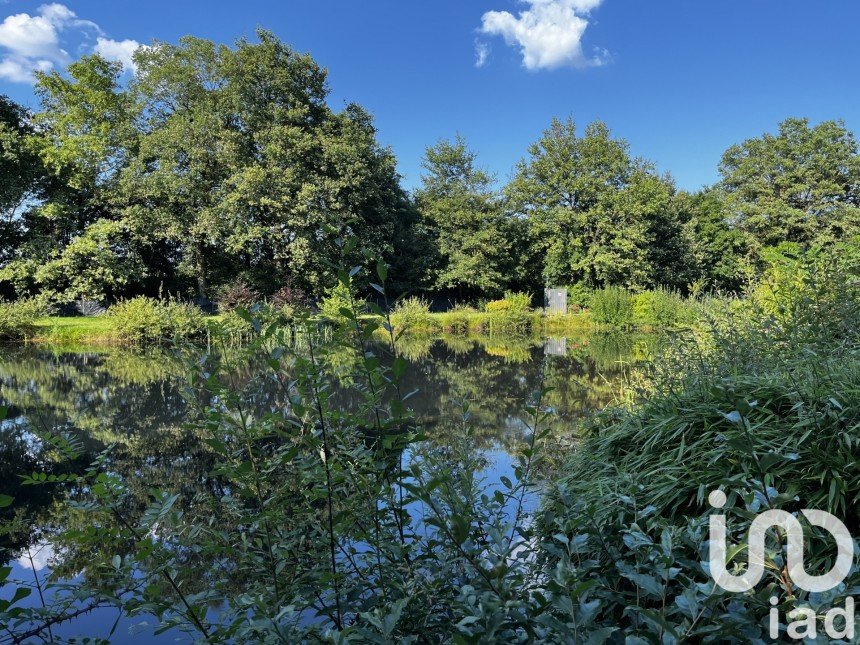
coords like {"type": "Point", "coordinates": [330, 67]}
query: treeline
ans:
{"type": "Point", "coordinates": [219, 168]}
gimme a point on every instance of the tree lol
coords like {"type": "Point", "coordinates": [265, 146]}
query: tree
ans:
{"type": "Point", "coordinates": [211, 162]}
{"type": "Point", "coordinates": [596, 215]}
{"type": "Point", "coordinates": [172, 189]}
{"type": "Point", "coordinates": [718, 250]}
{"type": "Point", "coordinates": [801, 185]}
{"type": "Point", "coordinates": [20, 168]}
{"type": "Point", "coordinates": [466, 217]}
{"type": "Point", "coordinates": [81, 137]}
{"type": "Point", "coordinates": [242, 161]}
{"type": "Point", "coordinates": [21, 174]}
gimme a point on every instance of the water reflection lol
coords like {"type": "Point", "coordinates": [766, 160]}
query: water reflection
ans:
{"type": "Point", "coordinates": [134, 402]}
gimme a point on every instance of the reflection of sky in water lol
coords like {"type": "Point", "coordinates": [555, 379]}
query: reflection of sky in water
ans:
{"type": "Point", "coordinates": [94, 624]}
{"type": "Point", "coordinates": [36, 557]}
{"type": "Point", "coordinates": [134, 401]}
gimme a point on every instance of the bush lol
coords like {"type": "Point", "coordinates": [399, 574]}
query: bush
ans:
{"type": "Point", "coordinates": [145, 320]}
{"type": "Point", "coordinates": [237, 294]}
{"type": "Point", "coordinates": [497, 306]}
{"type": "Point", "coordinates": [412, 314]}
{"type": "Point", "coordinates": [512, 302]}
{"type": "Point", "coordinates": [511, 314]}
{"type": "Point", "coordinates": [578, 297]}
{"type": "Point", "coordinates": [337, 300]}
{"type": "Point", "coordinates": [612, 306]}
{"type": "Point", "coordinates": [662, 309]}
{"type": "Point", "coordinates": [18, 319]}
{"type": "Point", "coordinates": [763, 408]}
{"type": "Point", "coordinates": [290, 297]}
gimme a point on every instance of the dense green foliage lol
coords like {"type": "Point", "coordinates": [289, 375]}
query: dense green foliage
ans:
{"type": "Point", "coordinates": [597, 215]}
{"type": "Point", "coordinates": [479, 247]}
{"type": "Point", "coordinates": [320, 509]}
{"type": "Point", "coordinates": [766, 408]}
{"type": "Point", "coordinates": [220, 165]}
{"type": "Point", "coordinates": [145, 320]}
{"type": "Point", "coordinates": [223, 173]}
{"type": "Point", "coordinates": [801, 185]}
{"type": "Point", "coordinates": [211, 162]}
{"type": "Point", "coordinates": [17, 319]}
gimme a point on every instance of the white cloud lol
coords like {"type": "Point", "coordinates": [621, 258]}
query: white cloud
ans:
{"type": "Point", "coordinates": [548, 33]}
{"type": "Point", "coordinates": [119, 50]}
{"type": "Point", "coordinates": [38, 43]}
{"type": "Point", "coordinates": [482, 52]}
{"type": "Point", "coordinates": [20, 70]}
{"type": "Point", "coordinates": [37, 557]}
{"type": "Point", "coordinates": [30, 36]}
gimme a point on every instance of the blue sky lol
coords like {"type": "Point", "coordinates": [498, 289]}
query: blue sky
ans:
{"type": "Point", "coordinates": [679, 79]}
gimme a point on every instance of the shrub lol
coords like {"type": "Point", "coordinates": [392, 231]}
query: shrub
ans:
{"type": "Point", "coordinates": [512, 302]}
{"type": "Point", "coordinates": [511, 314]}
{"type": "Point", "coordinates": [234, 327]}
{"type": "Point", "coordinates": [497, 306]}
{"type": "Point", "coordinates": [290, 297]}
{"type": "Point", "coordinates": [337, 300]}
{"type": "Point", "coordinates": [18, 319]}
{"type": "Point", "coordinates": [412, 314]}
{"type": "Point", "coordinates": [612, 306]}
{"type": "Point", "coordinates": [662, 309]}
{"type": "Point", "coordinates": [144, 320]}
{"type": "Point", "coordinates": [237, 294]}
{"type": "Point", "coordinates": [578, 297]}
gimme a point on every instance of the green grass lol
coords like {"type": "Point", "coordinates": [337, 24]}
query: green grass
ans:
{"type": "Point", "coordinates": [72, 331]}
{"type": "Point", "coordinates": [100, 330]}
{"type": "Point", "coordinates": [78, 330]}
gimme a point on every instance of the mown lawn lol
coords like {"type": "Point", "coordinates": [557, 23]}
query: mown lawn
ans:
{"type": "Point", "coordinates": [60, 330]}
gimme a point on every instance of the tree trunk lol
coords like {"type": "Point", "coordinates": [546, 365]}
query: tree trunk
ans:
{"type": "Point", "coordinates": [202, 283]}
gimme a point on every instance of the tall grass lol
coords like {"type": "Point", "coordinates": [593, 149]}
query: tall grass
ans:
{"type": "Point", "coordinates": [144, 320]}
{"type": "Point", "coordinates": [612, 306]}
{"type": "Point", "coordinates": [765, 405]}
{"type": "Point", "coordinates": [18, 319]}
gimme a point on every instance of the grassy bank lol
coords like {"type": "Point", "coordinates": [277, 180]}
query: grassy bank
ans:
{"type": "Point", "coordinates": [74, 331]}
{"type": "Point", "coordinates": [102, 330]}
{"type": "Point", "coordinates": [146, 321]}
{"type": "Point", "coordinates": [763, 403]}
{"type": "Point", "coordinates": [766, 408]}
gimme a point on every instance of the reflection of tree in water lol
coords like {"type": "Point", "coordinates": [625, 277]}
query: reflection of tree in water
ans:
{"type": "Point", "coordinates": [125, 399]}
{"type": "Point", "coordinates": [496, 375]}
{"type": "Point", "coordinates": [135, 401]}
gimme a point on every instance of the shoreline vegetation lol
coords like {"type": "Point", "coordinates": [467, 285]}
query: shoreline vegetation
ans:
{"type": "Point", "coordinates": [762, 403]}
{"type": "Point", "coordinates": [147, 321]}
{"type": "Point", "coordinates": [222, 179]}
{"type": "Point", "coordinates": [234, 187]}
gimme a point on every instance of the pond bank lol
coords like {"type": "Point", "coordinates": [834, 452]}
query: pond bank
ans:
{"type": "Point", "coordinates": [101, 330]}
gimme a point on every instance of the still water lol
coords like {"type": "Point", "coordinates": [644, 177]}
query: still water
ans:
{"type": "Point", "coordinates": [132, 401]}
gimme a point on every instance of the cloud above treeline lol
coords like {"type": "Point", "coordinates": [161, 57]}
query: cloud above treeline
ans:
{"type": "Point", "coordinates": [548, 34]}
{"type": "Point", "coordinates": [42, 42]}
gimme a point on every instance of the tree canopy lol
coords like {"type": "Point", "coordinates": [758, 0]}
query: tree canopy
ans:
{"type": "Point", "coordinates": [473, 238]}
{"type": "Point", "coordinates": [215, 165]}
{"type": "Point", "coordinates": [596, 215]}
{"type": "Point", "coordinates": [801, 185]}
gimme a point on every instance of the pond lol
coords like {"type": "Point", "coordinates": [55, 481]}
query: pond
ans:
{"type": "Point", "coordinates": [133, 402]}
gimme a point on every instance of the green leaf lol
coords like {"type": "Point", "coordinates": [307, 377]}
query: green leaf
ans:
{"type": "Point", "coordinates": [382, 270]}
